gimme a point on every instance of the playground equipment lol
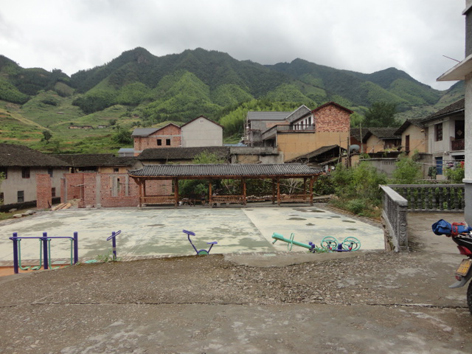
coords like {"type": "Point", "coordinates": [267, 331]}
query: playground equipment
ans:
{"type": "Point", "coordinates": [201, 252]}
{"type": "Point", "coordinates": [349, 244]}
{"type": "Point", "coordinates": [329, 243]}
{"type": "Point", "coordinates": [44, 250]}
{"type": "Point", "coordinates": [113, 242]}
{"type": "Point", "coordinates": [278, 237]}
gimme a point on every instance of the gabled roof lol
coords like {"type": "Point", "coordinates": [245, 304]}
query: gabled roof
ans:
{"type": "Point", "coordinates": [456, 107]}
{"type": "Point", "coordinates": [298, 113]}
{"type": "Point", "coordinates": [182, 153]}
{"type": "Point", "coordinates": [96, 160]}
{"type": "Point", "coordinates": [416, 122]}
{"type": "Point", "coordinates": [269, 116]}
{"type": "Point", "coordinates": [225, 171]}
{"type": "Point", "coordinates": [383, 133]}
{"type": "Point", "coordinates": [356, 133]}
{"type": "Point", "coordinates": [332, 104]}
{"type": "Point", "coordinates": [22, 156]}
{"type": "Point", "coordinates": [199, 118]}
{"type": "Point", "coordinates": [144, 132]}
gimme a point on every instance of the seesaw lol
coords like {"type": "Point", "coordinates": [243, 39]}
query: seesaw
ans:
{"type": "Point", "coordinates": [329, 243]}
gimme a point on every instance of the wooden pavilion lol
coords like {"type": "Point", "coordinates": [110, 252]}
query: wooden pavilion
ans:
{"type": "Point", "coordinates": [274, 172]}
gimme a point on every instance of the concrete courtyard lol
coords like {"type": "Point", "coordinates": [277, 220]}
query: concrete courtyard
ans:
{"type": "Point", "coordinates": [158, 232]}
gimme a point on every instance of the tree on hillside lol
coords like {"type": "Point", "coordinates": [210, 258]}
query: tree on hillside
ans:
{"type": "Point", "coordinates": [47, 136]}
{"type": "Point", "coordinates": [381, 114]}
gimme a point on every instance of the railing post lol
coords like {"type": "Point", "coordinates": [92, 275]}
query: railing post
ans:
{"type": "Point", "coordinates": [76, 247]}
{"type": "Point", "coordinates": [15, 252]}
{"type": "Point", "coordinates": [45, 249]}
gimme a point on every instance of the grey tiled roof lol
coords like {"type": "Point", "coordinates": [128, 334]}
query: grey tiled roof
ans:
{"type": "Point", "coordinates": [298, 113]}
{"type": "Point", "coordinates": [383, 133]}
{"type": "Point", "coordinates": [457, 106]}
{"type": "Point", "coordinates": [181, 153]}
{"type": "Point", "coordinates": [22, 156]}
{"type": "Point", "coordinates": [96, 160]}
{"type": "Point", "coordinates": [276, 116]}
{"type": "Point", "coordinates": [144, 131]}
{"type": "Point", "coordinates": [226, 170]}
{"type": "Point", "coordinates": [407, 123]}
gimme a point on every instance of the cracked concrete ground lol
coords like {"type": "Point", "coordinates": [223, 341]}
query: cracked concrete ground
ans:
{"type": "Point", "coordinates": [364, 302]}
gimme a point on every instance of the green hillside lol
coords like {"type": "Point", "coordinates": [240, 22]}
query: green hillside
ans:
{"type": "Point", "coordinates": [138, 89]}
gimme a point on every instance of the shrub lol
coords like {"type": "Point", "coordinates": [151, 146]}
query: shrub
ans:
{"type": "Point", "coordinates": [407, 171]}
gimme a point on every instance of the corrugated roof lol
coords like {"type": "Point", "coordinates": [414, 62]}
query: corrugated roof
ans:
{"type": "Point", "coordinates": [225, 171]}
{"type": "Point", "coordinates": [181, 153]}
{"type": "Point", "coordinates": [456, 107]}
{"type": "Point", "coordinates": [317, 152]}
{"type": "Point", "coordinates": [270, 116]}
{"type": "Point", "coordinates": [96, 160]}
{"type": "Point", "coordinates": [22, 156]}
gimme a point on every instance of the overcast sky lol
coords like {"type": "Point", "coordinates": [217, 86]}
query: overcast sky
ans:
{"type": "Point", "coordinates": [359, 35]}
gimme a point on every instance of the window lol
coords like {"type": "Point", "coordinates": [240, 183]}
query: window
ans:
{"type": "Point", "coordinates": [438, 128]}
{"type": "Point", "coordinates": [159, 142]}
{"type": "Point", "coordinates": [50, 172]}
{"type": "Point", "coordinates": [53, 192]}
{"type": "Point", "coordinates": [168, 142]}
{"type": "Point", "coordinates": [20, 196]}
{"type": "Point", "coordinates": [407, 143]}
{"type": "Point", "coordinates": [1, 197]}
{"type": "Point", "coordinates": [116, 169]}
{"type": "Point", "coordinates": [4, 172]}
{"type": "Point", "coordinates": [25, 172]}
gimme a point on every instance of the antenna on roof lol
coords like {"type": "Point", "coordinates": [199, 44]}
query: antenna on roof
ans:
{"type": "Point", "coordinates": [445, 56]}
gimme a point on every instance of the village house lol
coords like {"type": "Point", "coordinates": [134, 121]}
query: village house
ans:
{"type": "Point", "coordinates": [414, 136]}
{"type": "Point", "coordinates": [201, 132]}
{"type": "Point", "coordinates": [382, 140]}
{"type": "Point", "coordinates": [165, 137]}
{"type": "Point", "coordinates": [23, 170]}
{"type": "Point", "coordinates": [305, 131]}
{"type": "Point", "coordinates": [446, 136]}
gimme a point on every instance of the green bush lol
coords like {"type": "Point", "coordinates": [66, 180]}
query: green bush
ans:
{"type": "Point", "coordinates": [455, 175]}
{"type": "Point", "coordinates": [407, 171]}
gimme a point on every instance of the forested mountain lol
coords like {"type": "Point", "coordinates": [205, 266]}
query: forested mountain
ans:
{"type": "Point", "coordinates": [140, 89]}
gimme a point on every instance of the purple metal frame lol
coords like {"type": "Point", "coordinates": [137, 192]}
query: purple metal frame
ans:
{"type": "Point", "coordinates": [113, 242]}
{"type": "Point", "coordinates": [44, 239]}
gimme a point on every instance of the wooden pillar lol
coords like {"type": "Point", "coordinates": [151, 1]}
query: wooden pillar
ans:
{"type": "Point", "coordinates": [273, 191]}
{"type": "Point", "coordinates": [278, 192]}
{"type": "Point", "coordinates": [304, 188]}
{"type": "Point", "coordinates": [312, 180]}
{"type": "Point", "coordinates": [176, 191]}
{"type": "Point", "coordinates": [210, 193]}
{"type": "Point", "coordinates": [244, 191]}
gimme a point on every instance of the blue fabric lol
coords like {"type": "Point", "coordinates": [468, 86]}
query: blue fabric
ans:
{"type": "Point", "coordinates": [442, 227]}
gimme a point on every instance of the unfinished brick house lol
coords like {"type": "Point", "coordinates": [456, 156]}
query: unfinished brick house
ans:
{"type": "Point", "coordinates": [305, 131]}
{"type": "Point", "coordinates": [165, 137]}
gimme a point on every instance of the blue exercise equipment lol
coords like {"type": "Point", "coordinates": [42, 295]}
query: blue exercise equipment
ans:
{"type": "Point", "coordinates": [201, 252]}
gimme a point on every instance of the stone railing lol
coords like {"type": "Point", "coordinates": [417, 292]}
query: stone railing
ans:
{"type": "Point", "coordinates": [394, 219]}
{"type": "Point", "coordinates": [432, 197]}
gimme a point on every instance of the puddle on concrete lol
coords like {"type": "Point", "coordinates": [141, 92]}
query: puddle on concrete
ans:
{"type": "Point", "coordinates": [310, 224]}
{"type": "Point", "coordinates": [350, 221]}
{"type": "Point", "coordinates": [351, 229]}
{"type": "Point", "coordinates": [301, 210]}
{"type": "Point", "coordinates": [317, 211]}
{"type": "Point", "coordinates": [158, 225]}
{"type": "Point", "coordinates": [296, 219]}
{"type": "Point", "coordinates": [335, 217]}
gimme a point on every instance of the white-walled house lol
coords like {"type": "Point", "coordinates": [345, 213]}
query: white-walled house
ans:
{"type": "Point", "coordinates": [201, 132]}
{"type": "Point", "coordinates": [20, 165]}
{"type": "Point", "coordinates": [446, 135]}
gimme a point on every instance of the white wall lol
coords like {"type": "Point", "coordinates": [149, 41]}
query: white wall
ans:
{"type": "Point", "coordinates": [202, 132]}
{"type": "Point", "coordinates": [15, 183]}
